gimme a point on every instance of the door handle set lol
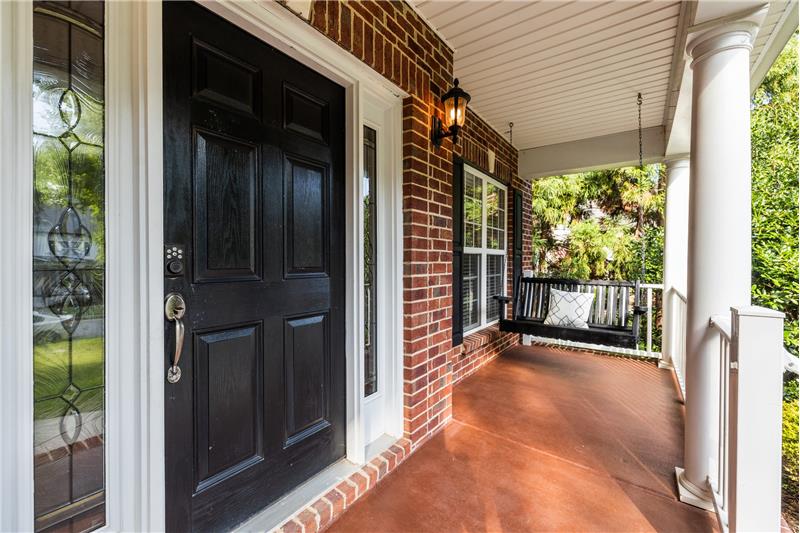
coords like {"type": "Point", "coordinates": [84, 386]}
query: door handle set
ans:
{"type": "Point", "coordinates": [174, 310]}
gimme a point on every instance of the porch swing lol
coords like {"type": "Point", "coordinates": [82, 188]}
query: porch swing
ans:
{"type": "Point", "coordinates": [611, 311]}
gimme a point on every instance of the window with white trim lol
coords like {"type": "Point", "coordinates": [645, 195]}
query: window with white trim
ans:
{"type": "Point", "coordinates": [483, 271]}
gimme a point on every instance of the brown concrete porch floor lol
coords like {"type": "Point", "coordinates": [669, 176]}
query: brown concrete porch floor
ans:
{"type": "Point", "coordinates": [544, 440]}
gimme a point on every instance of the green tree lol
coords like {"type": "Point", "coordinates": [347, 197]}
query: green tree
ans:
{"type": "Point", "coordinates": [594, 225]}
{"type": "Point", "coordinates": [774, 132]}
{"type": "Point", "coordinates": [776, 249]}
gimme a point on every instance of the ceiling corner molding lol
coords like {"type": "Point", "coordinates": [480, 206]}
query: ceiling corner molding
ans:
{"type": "Point", "coordinates": [413, 5]}
{"type": "Point", "coordinates": [784, 29]}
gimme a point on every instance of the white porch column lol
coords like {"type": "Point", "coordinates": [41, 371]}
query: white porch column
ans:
{"type": "Point", "coordinates": [719, 230]}
{"type": "Point", "coordinates": [676, 248]}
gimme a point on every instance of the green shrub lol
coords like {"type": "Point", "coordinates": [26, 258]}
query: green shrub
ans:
{"type": "Point", "coordinates": [791, 477]}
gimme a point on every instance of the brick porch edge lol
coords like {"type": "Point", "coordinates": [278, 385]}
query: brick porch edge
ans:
{"type": "Point", "coordinates": [320, 514]}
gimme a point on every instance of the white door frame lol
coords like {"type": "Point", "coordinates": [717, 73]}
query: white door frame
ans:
{"type": "Point", "coordinates": [383, 410]}
{"type": "Point", "coordinates": [134, 188]}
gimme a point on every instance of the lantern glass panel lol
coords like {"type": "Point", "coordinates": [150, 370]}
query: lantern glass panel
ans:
{"type": "Point", "coordinates": [449, 112]}
{"type": "Point", "coordinates": [460, 111]}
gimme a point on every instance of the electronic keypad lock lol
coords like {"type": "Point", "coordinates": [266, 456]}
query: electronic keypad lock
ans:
{"type": "Point", "coordinates": [173, 260]}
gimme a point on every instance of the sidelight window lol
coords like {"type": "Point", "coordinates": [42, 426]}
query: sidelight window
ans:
{"type": "Point", "coordinates": [68, 266]}
{"type": "Point", "coordinates": [483, 270]}
{"type": "Point", "coordinates": [370, 235]}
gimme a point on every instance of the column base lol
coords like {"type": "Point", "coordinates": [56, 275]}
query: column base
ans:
{"type": "Point", "coordinates": [690, 493]}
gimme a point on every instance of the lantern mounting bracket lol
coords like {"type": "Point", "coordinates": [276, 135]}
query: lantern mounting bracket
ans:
{"type": "Point", "coordinates": [439, 133]}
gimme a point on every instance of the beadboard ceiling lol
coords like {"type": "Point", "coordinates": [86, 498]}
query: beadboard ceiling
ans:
{"type": "Point", "coordinates": [564, 71]}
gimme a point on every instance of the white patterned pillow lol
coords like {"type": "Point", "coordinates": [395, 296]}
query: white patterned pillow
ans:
{"type": "Point", "coordinates": [569, 308]}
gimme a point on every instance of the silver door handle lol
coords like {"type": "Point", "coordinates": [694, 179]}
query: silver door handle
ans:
{"type": "Point", "coordinates": [175, 309]}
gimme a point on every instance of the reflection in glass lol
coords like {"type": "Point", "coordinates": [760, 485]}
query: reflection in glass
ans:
{"type": "Point", "coordinates": [370, 234]}
{"type": "Point", "coordinates": [473, 206]}
{"type": "Point", "coordinates": [471, 270]}
{"type": "Point", "coordinates": [495, 216]}
{"type": "Point", "coordinates": [68, 266]}
{"type": "Point", "coordinates": [494, 285]}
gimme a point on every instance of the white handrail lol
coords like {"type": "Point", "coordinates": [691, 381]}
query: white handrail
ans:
{"type": "Point", "coordinates": [746, 482]}
{"type": "Point", "coordinates": [722, 324]}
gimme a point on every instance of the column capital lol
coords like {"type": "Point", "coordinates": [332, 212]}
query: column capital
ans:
{"type": "Point", "coordinates": [737, 30]}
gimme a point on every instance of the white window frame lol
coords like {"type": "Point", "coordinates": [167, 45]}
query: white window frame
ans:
{"type": "Point", "coordinates": [483, 251]}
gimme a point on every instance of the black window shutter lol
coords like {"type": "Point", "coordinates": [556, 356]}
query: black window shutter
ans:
{"type": "Point", "coordinates": [458, 248]}
{"type": "Point", "coordinates": [517, 251]}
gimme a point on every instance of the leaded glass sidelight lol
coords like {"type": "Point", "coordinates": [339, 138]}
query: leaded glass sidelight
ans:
{"type": "Point", "coordinates": [68, 266]}
{"type": "Point", "coordinates": [370, 229]}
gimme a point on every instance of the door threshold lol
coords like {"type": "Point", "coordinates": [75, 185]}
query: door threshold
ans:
{"type": "Point", "coordinates": [314, 488]}
{"type": "Point", "coordinates": [283, 509]}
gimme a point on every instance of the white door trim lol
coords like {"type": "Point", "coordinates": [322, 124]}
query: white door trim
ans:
{"type": "Point", "coordinates": [134, 291]}
{"type": "Point", "coordinates": [16, 266]}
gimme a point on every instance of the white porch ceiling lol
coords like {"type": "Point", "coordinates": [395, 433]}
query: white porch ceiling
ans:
{"type": "Point", "coordinates": [566, 71]}
{"type": "Point", "coordinates": [561, 71]}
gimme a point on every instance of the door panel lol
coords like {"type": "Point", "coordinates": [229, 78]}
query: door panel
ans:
{"type": "Point", "coordinates": [254, 201]}
{"type": "Point", "coordinates": [307, 364]}
{"type": "Point", "coordinates": [226, 208]}
{"type": "Point", "coordinates": [306, 223]}
{"type": "Point", "coordinates": [228, 402]}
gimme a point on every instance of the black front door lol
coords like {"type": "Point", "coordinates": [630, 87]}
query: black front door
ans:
{"type": "Point", "coordinates": [254, 227]}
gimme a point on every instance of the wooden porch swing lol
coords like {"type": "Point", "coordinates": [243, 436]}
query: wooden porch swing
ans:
{"type": "Point", "coordinates": [613, 320]}
{"type": "Point", "coordinates": [615, 311]}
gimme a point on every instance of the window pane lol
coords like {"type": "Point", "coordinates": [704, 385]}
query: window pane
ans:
{"type": "Point", "coordinates": [471, 290]}
{"type": "Point", "coordinates": [68, 266]}
{"type": "Point", "coordinates": [494, 285]}
{"type": "Point", "coordinates": [370, 225]}
{"type": "Point", "coordinates": [495, 217]}
{"type": "Point", "coordinates": [473, 204]}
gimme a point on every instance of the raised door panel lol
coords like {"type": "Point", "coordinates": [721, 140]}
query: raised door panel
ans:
{"type": "Point", "coordinates": [305, 114]}
{"type": "Point", "coordinates": [227, 208]}
{"type": "Point", "coordinates": [306, 218]}
{"type": "Point", "coordinates": [307, 366]}
{"type": "Point", "coordinates": [228, 402]}
{"type": "Point", "coordinates": [223, 79]}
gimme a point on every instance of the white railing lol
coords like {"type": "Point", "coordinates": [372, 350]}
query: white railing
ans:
{"type": "Point", "coordinates": [746, 486]}
{"type": "Point", "coordinates": [649, 288]}
{"type": "Point", "coordinates": [719, 486]}
{"type": "Point", "coordinates": [674, 335]}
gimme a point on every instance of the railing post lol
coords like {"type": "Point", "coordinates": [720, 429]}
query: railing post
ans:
{"type": "Point", "coordinates": [756, 385]}
{"type": "Point", "coordinates": [650, 320]}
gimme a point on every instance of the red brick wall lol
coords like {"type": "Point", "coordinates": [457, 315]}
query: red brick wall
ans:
{"type": "Point", "coordinates": [392, 39]}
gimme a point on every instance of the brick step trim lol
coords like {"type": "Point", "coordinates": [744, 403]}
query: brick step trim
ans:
{"type": "Point", "coordinates": [319, 514]}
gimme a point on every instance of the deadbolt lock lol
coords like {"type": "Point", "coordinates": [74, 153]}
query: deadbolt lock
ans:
{"type": "Point", "coordinates": [173, 260]}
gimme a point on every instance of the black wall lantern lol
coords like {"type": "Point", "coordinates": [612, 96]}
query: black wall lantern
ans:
{"type": "Point", "coordinates": [455, 111]}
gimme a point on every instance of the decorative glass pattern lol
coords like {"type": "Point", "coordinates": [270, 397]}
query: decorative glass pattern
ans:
{"type": "Point", "coordinates": [471, 287]}
{"type": "Point", "coordinates": [68, 266]}
{"type": "Point", "coordinates": [370, 234]}
{"type": "Point", "coordinates": [494, 285]}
